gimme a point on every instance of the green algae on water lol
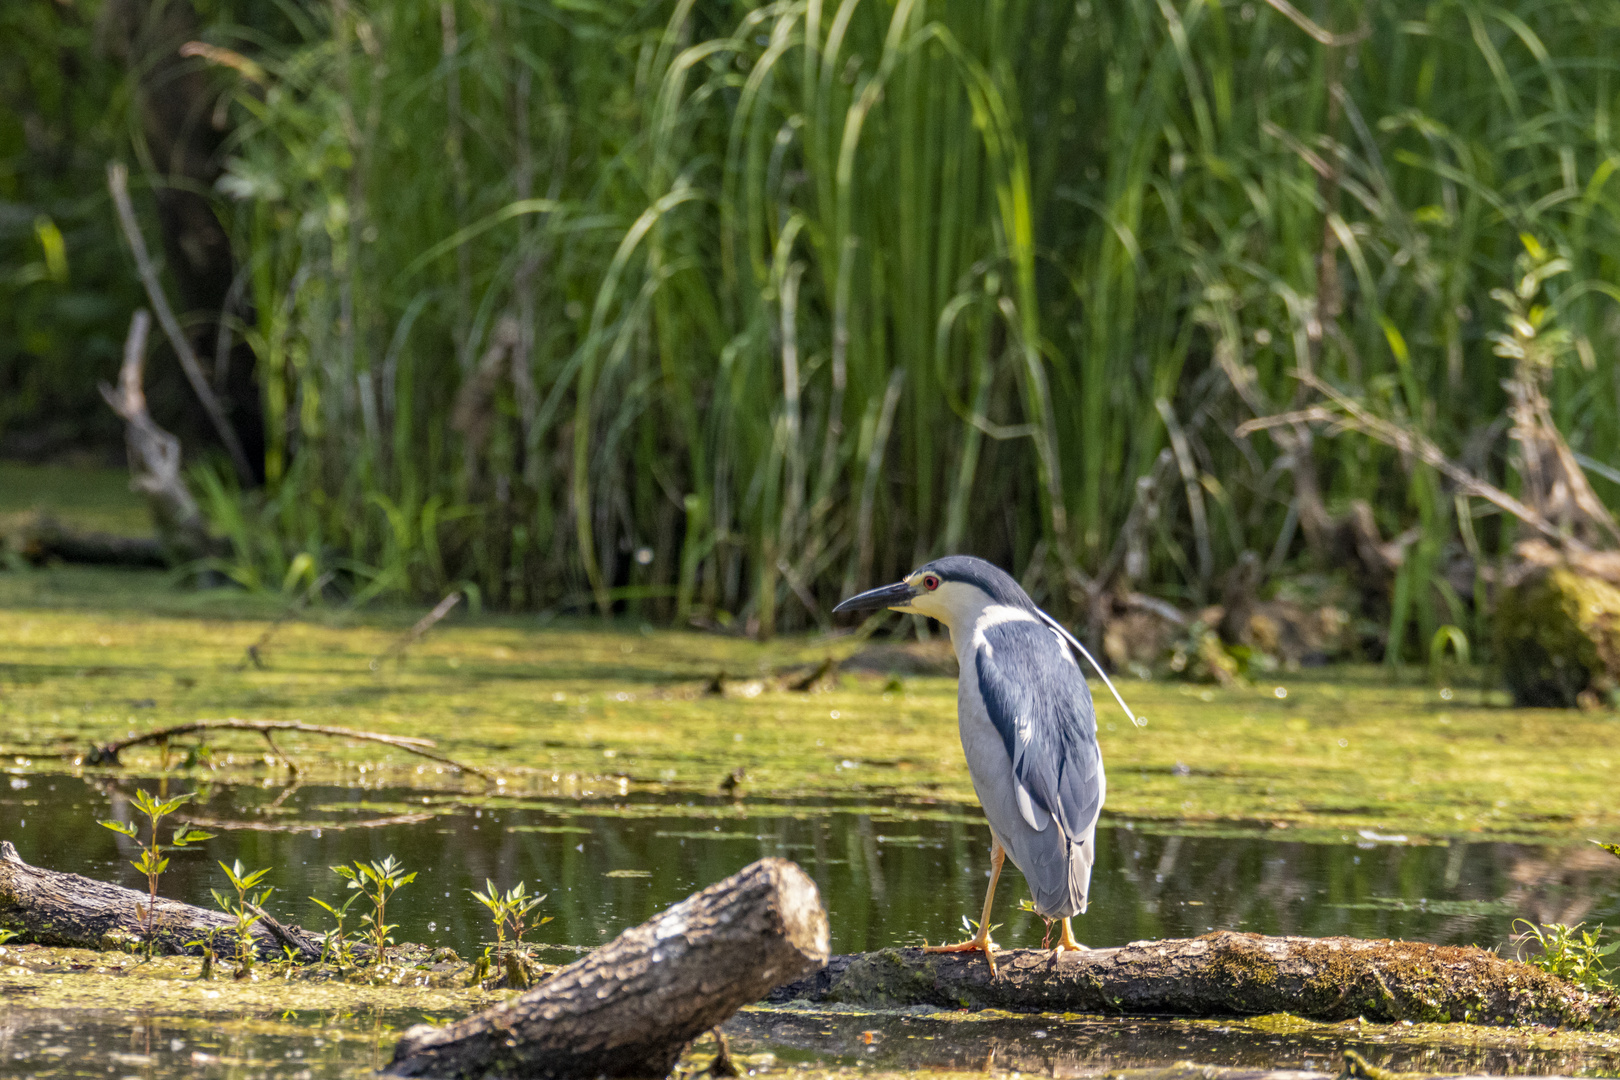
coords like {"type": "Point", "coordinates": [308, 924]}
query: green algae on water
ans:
{"type": "Point", "coordinates": [596, 709]}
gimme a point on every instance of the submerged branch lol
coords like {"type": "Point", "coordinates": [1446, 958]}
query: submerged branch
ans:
{"type": "Point", "coordinates": [107, 753]}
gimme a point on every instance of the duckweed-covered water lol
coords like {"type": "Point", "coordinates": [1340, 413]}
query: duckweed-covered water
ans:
{"type": "Point", "coordinates": [1315, 803]}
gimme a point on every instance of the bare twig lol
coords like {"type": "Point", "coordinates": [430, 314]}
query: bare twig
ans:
{"type": "Point", "coordinates": [107, 753]}
{"type": "Point", "coordinates": [255, 651]}
{"type": "Point", "coordinates": [270, 739]}
{"type": "Point", "coordinates": [287, 937]}
{"type": "Point", "coordinates": [414, 634]}
{"type": "Point", "coordinates": [118, 185]}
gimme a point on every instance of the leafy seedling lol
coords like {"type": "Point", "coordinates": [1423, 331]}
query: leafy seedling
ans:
{"type": "Point", "coordinates": [1572, 953]}
{"type": "Point", "coordinates": [152, 861]}
{"type": "Point", "coordinates": [509, 910]}
{"type": "Point", "coordinates": [377, 882]}
{"type": "Point", "coordinates": [335, 946]}
{"type": "Point", "coordinates": [242, 909]}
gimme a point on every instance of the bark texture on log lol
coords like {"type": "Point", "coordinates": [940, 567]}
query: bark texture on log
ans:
{"type": "Point", "coordinates": [1221, 974]}
{"type": "Point", "coordinates": [631, 1007]}
{"type": "Point", "coordinates": [52, 908]}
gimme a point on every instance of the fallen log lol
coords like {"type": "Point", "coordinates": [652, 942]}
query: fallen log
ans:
{"type": "Point", "coordinates": [47, 907]}
{"type": "Point", "coordinates": [1221, 974]}
{"type": "Point", "coordinates": [40, 539]}
{"type": "Point", "coordinates": [631, 1007]}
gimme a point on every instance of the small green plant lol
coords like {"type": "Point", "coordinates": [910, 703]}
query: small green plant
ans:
{"type": "Point", "coordinates": [377, 882]}
{"type": "Point", "coordinates": [153, 862]}
{"type": "Point", "coordinates": [209, 954]}
{"type": "Point", "coordinates": [509, 910]}
{"type": "Point", "coordinates": [242, 909]}
{"type": "Point", "coordinates": [6, 935]}
{"type": "Point", "coordinates": [335, 946]}
{"type": "Point", "coordinates": [1570, 952]}
{"type": "Point", "coordinates": [1447, 637]}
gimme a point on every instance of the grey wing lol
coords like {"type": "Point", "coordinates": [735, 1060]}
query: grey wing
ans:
{"type": "Point", "coordinates": [1040, 704]}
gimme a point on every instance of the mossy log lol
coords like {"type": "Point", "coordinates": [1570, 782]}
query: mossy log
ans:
{"type": "Point", "coordinates": [1219, 974]}
{"type": "Point", "coordinates": [633, 1006]}
{"type": "Point", "coordinates": [1557, 627]}
{"type": "Point", "coordinates": [51, 908]}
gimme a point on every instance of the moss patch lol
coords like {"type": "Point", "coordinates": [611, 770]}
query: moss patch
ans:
{"type": "Point", "coordinates": [1558, 633]}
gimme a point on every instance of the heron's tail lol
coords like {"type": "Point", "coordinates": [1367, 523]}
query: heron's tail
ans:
{"type": "Point", "coordinates": [1061, 891]}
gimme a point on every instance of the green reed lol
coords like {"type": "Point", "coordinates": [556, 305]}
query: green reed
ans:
{"type": "Point", "coordinates": [721, 310]}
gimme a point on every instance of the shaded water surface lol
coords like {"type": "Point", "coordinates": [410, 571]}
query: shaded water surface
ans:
{"type": "Point", "coordinates": [890, 873]}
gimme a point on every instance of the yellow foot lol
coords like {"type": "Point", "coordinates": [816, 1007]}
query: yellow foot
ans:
{"type": "Point", "coordinates": [978, 944]}
{"type": "Point", "coordinates": [1066, 942]}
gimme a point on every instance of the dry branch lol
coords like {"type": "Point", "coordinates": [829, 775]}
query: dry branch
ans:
{"type": "Point", "coordinates": [107, 753]}
{"type": "Point", "coordinates": [632, 1007]}
{"type": "Point", "coordinates": [52, 908]}
{"type": "Point", "coordinates": [1410, 443]}
{"type": "Point", "coordinates": [1221, 974]}
{"type": "Point", "coordinates": [154, 454]}
{"type": "Point", "coordinates": [118, 185]}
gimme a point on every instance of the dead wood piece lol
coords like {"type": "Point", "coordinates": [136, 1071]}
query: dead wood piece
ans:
{"type": "Point", "coordinates": [633, 1006]}
{"type": "Point", "coordinates": [293, 828]}
{"type": "Point", "coordinates": [1222, 974]}
{"type": "Point", "coordinates": [107, 753]}
{"type": "Point", "coordinates": [118, 186]}
{"type": "Point", "coordinates": [40, 538]}
{"type": "Point", "coordinates": [52, 908]}
{"type": "Point", "coordinates": [154, 454]}
{"type": "Point", "coordinates": [805, 682]}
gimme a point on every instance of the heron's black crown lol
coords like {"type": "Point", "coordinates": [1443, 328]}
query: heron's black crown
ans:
{"type": "Point", "coordinates": [987, 577]}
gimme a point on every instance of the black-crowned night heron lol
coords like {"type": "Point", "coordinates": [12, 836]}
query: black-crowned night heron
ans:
{"type": "Point", "coordinates": [1028, 729]}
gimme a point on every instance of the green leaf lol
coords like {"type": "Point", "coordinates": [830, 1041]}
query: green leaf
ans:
{"type": "Point", "coordinates": [119, 827]}
{"type": "Point", "coordinates": [1612, 849]}
{"type": "Point", "coordinates": [191, 836]}
{"type": "Point", "coordinates": [169, 806]}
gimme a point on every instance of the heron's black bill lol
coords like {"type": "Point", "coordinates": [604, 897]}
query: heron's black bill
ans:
{"type": "Point", "coordinates": [872, 599]}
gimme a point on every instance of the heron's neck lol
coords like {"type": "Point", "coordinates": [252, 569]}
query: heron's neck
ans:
{"type": "Point", "coordinates": [967, 627]}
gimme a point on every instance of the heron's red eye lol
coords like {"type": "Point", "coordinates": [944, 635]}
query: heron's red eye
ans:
{"type": "Point", "coordinates": [930, 582]}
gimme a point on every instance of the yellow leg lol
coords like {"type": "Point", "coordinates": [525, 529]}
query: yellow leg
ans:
{"type": "Point", "coordinates": [1066, 942]}
{"type": "Point", "coordinates": [981, 942]}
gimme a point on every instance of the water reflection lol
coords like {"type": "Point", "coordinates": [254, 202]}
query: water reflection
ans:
{"type": "Point", "coordinates": [1089, 1046]}
{"type": "Point", "coordinates": [62, 1043]}
{"type": "Point", "coordinates": [890, 874]}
